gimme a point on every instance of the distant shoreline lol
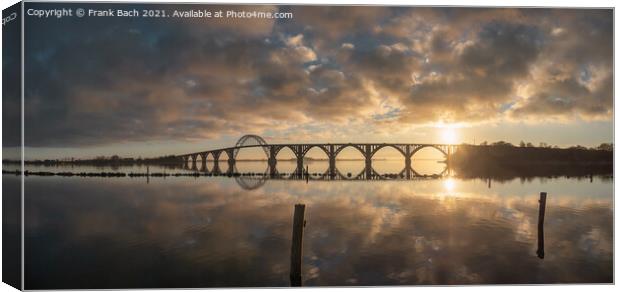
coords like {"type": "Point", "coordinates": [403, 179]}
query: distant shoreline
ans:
{"type": "Point", "coordinates": [465, 156]}
{"type": "Point", "coordinates": [149, 162]}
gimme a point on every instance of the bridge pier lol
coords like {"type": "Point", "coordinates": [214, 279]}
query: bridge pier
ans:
{"type": "Point", "coordinates": [272, 166]}
{"type": "Point", "coordinates": [332, 162]}
{"type": "Point", "coordinates": [408, 167]}
{"type": "Point", "coordinates": [368, 159]}
{"type": "Point", "coordinates": [203, 166]}
{"type": "Point", "coordinates": [332, 166]}
{"type": "Point", "coordinates": [300, 166]}
{"type": "Point", "coordinates": [216, 163]}
{"type": "Point", "coordinates": [194, 158]}
{"type": "Point", "coordinates": [216, 168]}
{"type": "Point", "coordinates": [231, 166]}
{"type": "Point", "coordinates": [272, 161]}
{"type": "Point", "coordinates": [408, 162]}
{"type": "Point", "coordinates": [231, 161]}
{"type": "Point", "coordinates": [299, 154]}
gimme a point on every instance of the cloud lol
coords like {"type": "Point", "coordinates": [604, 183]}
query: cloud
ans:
{"type": "Point", "coordinates": [479, 76]}
{"type": "Point", "coordinates": [330, 23]}
{"type": "Point", "coordinates": [183, 80]}
{"type": "Point", "coordinates": [574, 76]}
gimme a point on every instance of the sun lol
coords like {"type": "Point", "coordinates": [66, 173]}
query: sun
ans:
{"type": "Point", "coordinates": [449, 135]}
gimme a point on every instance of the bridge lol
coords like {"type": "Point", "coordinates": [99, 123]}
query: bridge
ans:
{"type": "Point", "coordinates": [368, 150]}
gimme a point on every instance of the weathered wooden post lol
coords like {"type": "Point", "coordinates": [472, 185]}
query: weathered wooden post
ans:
{"type": "Point", "coordinates": [296, 246]}
{"type": "Point", "coordinates": [542, 203]}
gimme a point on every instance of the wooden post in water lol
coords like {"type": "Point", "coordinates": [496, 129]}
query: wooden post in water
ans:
{"type": "Point", "coordinates": [542, 203]}
{"type": "Point", "coordinates": [296, 246]}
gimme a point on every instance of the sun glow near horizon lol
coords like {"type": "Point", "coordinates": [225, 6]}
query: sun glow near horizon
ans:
{"type": "Point", "coordinates": [449, 134]}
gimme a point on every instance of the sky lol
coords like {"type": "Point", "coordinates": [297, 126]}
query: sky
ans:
{"type": "Point", "coordinates": [150, 87]}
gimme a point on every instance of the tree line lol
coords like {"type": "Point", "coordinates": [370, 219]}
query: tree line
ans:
{"type": "Point", "coordinates": [602, 146]}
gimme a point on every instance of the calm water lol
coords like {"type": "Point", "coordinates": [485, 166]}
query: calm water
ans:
{"type": "Point", "coordinates": [211, 232]}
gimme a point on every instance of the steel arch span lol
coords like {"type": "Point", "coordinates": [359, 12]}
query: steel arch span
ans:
{"type": "Point", "coordinates": [247, 140]}
{"type": "Point", "coordinates": [440, 148]}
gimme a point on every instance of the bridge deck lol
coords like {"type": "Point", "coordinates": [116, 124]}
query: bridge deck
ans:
{"type": "Point", "coordinates": [417, 145]}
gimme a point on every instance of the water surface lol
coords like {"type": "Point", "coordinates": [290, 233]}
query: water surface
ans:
{"type": "Point", "coordinates": [210, 232]}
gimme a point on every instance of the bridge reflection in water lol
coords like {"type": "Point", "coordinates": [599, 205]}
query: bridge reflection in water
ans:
{"type": "Point", "coordinates": [254, 180]}
{"type": "Point", "coordinates": [368, 150]}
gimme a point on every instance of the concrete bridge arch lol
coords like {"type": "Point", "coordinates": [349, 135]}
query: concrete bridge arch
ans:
{"type": "Point", "coordinates": [368, 151]}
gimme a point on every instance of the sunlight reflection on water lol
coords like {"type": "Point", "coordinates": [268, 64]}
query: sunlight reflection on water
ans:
{"type": "Point", "coordinates": [209, 232]}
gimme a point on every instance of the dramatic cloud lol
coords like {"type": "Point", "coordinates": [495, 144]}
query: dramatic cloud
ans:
{"type": "Point", "coordinates": [574, 74]}
{"type": "Point", "coordinates": [94, 82]}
